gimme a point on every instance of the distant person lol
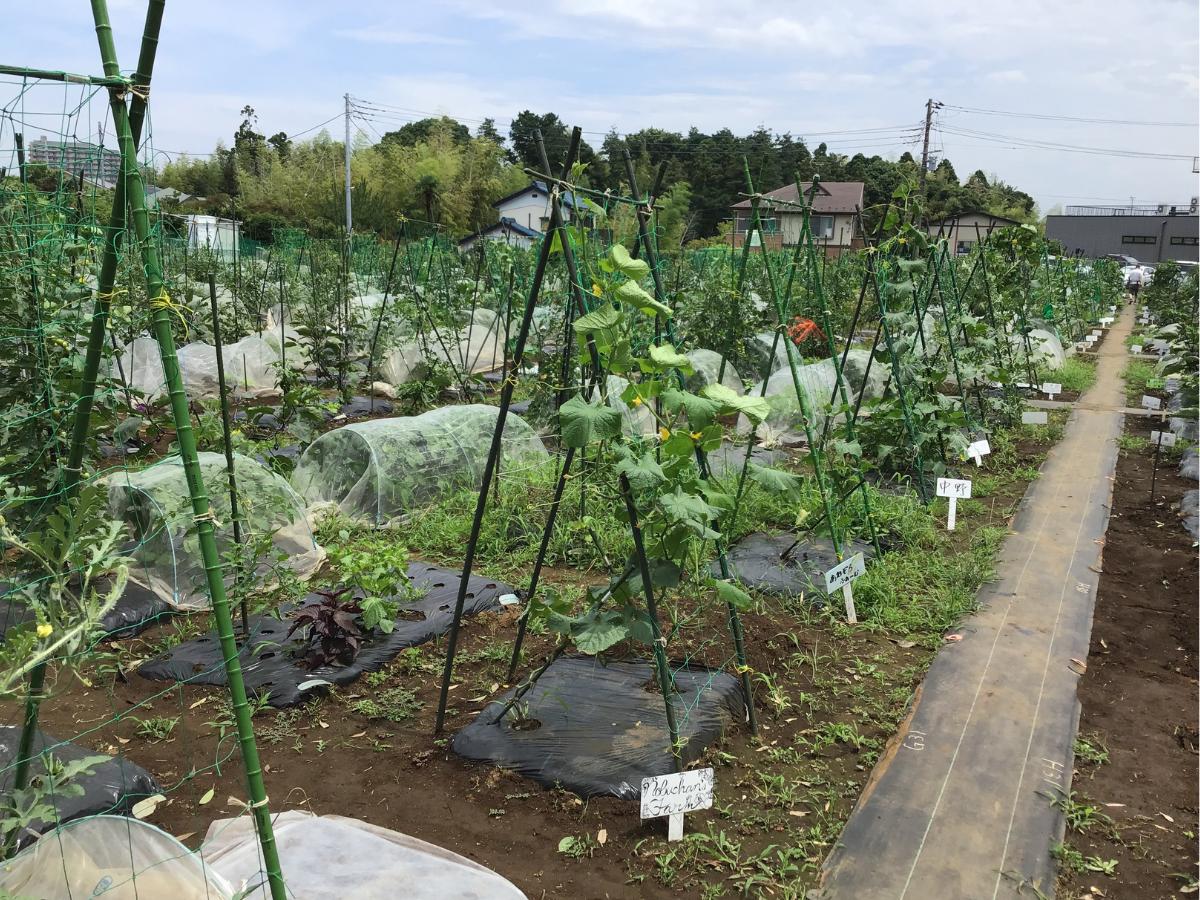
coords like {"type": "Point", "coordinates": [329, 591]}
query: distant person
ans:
{"type": "Point", "coordinates": [1134, 282]}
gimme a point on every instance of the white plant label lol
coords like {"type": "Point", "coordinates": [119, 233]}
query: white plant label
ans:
{"type": "Point", "coordinates": [1051, 388]}
{"type": "Point", "coordinates": [842, 576]}
{"type": "Point", "coordinates": [978, 450]}
{"type": "Point", "coordinates": [675, 794]}
{"type": "Point", "coordinates": [1082, 345]}
{"type": "Point", "coordinates": [1106, 321]}
{"type": "Point", "coordinates": [1035, 417]}
{"type": "Point", "coordinates": [1096, 332]}
{"type": "Point", "coordinates": [1090, 339]}
{"type": "Point", "coordinates": [953, 488]}
{"type": "Point", "coordinates": [1023, 384]}
{"type": "Point", "coordinates": [1149, 402]}
{"type": "Point", "coordinates": [1135, 348]}
{"type": "Point", "coordinates": [1162, 438]}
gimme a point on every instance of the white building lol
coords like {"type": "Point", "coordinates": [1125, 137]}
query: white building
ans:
{"type": "Point", "coordinates": [524, 216]}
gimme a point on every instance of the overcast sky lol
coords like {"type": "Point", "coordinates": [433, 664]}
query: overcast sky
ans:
{"type": "Point", "coordinates": [867, 64]}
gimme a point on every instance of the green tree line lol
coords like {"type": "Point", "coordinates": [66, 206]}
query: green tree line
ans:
{"type": "Point", "coordinates": [436, 173]}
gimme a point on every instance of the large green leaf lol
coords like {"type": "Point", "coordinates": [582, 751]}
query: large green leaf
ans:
{"type": "Point", "coordinates": [700, 411]}
{"type": "Point", "coordinates": [774, 481]}
{"type": "Point", "coordinates": [632, 293]}
{"type": "Point", "coordinates": [734, 595]}
{"type": "Point", "coordinates": [598, 319]}
{"type": "Point", "coordinates": [596, 633]}
{"type": "Point", "coordinates": [756, 409]}
{"type": "Point", "coordinates": [643, 471]}
{"type": "Point", "coordinates": [626, 264]}
{"type": "Point", "coordinates": [690, 511]}
{"type": "Point", "coordinates": [665, 357]}
{"type": "Point", "coordinates": [581, 422]}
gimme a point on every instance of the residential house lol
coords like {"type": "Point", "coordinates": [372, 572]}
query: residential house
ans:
{"type": "Point", "coordinates": [506, 230]}
{"type": "Point", "coordinates": [524, 215]}
{"type": "Point", "coordinates": [965, 229]}
{"type": "Point", "coordinates": [835, 207]}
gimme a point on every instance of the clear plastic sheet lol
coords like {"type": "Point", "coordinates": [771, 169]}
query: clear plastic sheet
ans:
{"type": "Point", "coordinates": [156, 508]}
{"type": "Point", "coordinates": [1045, 349]}
{"type": "Point", "coordinates": [602, 728]}
{"type": "Point", "coordinates": [114, 857]}
{"type": "Point", "coordinates": [250, 368]}
{"type": "Point", "coordinates": [322, 856]}
{"type": "Point", "coordinates": [1189, 466]}
{"type": "Point", "coordinates": [383, 468]}
{"type": "Point", "coordinates": [114, 786]}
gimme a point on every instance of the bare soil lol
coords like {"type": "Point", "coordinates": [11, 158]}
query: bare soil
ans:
{"type": "Point", "coordinates": [1139, 694]}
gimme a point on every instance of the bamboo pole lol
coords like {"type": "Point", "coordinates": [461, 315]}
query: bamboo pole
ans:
{"type": "Point", "coordinates": [202, 514]}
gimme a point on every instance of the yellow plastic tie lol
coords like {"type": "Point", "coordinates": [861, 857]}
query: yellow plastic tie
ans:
{"type": "Point", "coordinates": [110, 295]}
{"type": "Point", "coordinates": [164, 301]}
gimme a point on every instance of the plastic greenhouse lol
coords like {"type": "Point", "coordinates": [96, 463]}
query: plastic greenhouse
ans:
{"type": "Point", "coordinates": [818, 381]}
{"type": "Point", "coordinates": [155, 506]}
{"type": "Point", "coordinates": [380, 469]}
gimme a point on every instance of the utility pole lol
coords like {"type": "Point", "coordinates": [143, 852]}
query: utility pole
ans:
{"type": "Point", "coordinates": [929, 107]}
{"type": "Point", "coordinates": [349, 212]}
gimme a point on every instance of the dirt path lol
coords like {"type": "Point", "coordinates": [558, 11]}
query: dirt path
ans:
{"type": "Point", "coordinates": [961, 806]}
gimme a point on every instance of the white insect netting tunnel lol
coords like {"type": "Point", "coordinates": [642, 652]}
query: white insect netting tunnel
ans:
{"type": "Point", "coordinates": [379, 469]}
{"type": "Point", "coordinates": [156, 508]}
{"type": "Point", "coordinates": [250, 368]}
{"type": "Point", "coordinates": [706, 367]}
{"type": "Point", "coordinates": [818, 381]}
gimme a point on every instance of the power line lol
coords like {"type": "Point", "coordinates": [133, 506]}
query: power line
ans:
{"type": "Point", "coordinates": [1059, 118]}
{"type": "Point", "coordinates": [1020, 143]}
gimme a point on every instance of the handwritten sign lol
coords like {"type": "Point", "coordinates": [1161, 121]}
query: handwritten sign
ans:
{"type": "Point", "coordinates": [954, 488]}
{"type": "Point", "coordinates": [1081, 346]}
{"type": "Point", "coordinates": [1149, 402]}
{"type": "Point", "coordinates": [977, 450]}
{"type": "Point", "coordinates": [842, 576]}
{"type": "Point", "coordinates": [676, 794]}
{"type": "Point", "coordinates": [1051, 388]}
{"type": "Point", "coordinates": [1162, 438]}
{"type": "Point", "coordinates": [1035, 417]}
{"type": "Point", "coordinates": [1135, 348]}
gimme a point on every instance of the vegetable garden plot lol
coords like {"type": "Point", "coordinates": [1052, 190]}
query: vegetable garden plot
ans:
{"type": "Point", "coordinates": [114, 784]}
{"type": "Point", "coordinates": [273, 662]}
{"type": "Point", "coordinates": [153, 503]}
{"type": "Point", "coordinates": [597, 727]}
{"type": "Point", "coordinates": [377, 470]}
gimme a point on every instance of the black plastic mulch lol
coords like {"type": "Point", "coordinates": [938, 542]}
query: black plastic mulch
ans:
{"type": "Point", "coordinates": [271, 662]}
{"type": "Point", "coordinates": [113, 787]}
{"type": "Point", "coordinates": [776, 564]}
{"type": "Point", "coordinates": [601, 728]}
{"type": "Point", "coordinates": [137, 609]}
